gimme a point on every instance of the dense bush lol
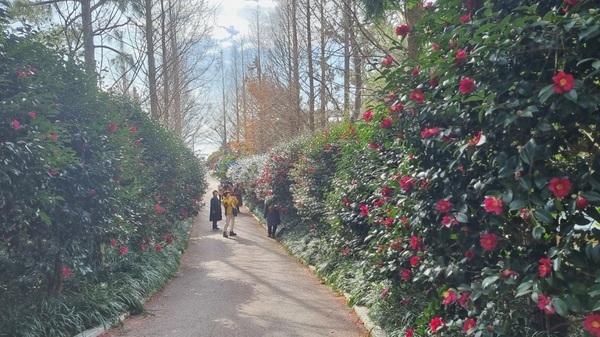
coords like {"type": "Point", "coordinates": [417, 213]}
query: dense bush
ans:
{"type": "Point", "coordinates": [472, 190]}
{"type": "Point", "coordinates": [83, 173]}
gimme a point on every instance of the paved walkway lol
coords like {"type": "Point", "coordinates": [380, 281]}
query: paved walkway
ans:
{"type": "Point", "coordinates": [245, 285]}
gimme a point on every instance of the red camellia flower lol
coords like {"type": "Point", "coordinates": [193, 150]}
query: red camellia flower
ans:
{"type": "Point", "coordinates": [524, 213]}
{"type": "Point", "coordinates": [461, 56]}
{"type": "Point", "coordinates": [133, 129]}
{"type": "Point", "coordinates": [443, 206]}
{"type": "Point", "coordinates": [66, 271]}
{"type": "Point", "coordinates": [469, 324]}
{"type": "Point", "coordinates": [433, 82]}
{"type": "Point", "coordinates": [465, 18]}
{"type": "Point", "coordinates": [409, 332]}
{"type": "Point", "coordinates": [545, 304]}
{"type": "Point", "coordinates": [435, 46]}
{"type": "Point", "coordinates": [463, 301]}
{"type": "Point", "coordinates": [16, 124]}
{"type": "Point", "coordinates": [406, 274]}
{"type": "Point", "coordinates": [112, 127]}
{"type": "Point", "coordinates": [417, 96]}
{"type": "Point", "coordinates": [158, 247]}
{"type": "Point", "coordinates": [449, 221]}
{"type": "Point", "coordinates": [159, 209]}
{"type": "Point", "coordinates": [415, 242]}
{"type": "Point", "coordinates": [493, 205]}
{"type": "Point", "coordinates": [467, 86]}
{"type": "Point", "coordinates": [489, 241]}
{"type": "Point", "coordinates": [53, 136]}
{"type": "Point", "coordinates": [436, 323]}
{"type": "Point", "coordinates": [387, 61]}
{"type": "Point", "coordinates": [414, 261]}
{"type": "Point", "coordinates": [386, 123]}
{"type": "Point", "coordinates": [469, 255]}
{"type": "Point", "coordinates": [402, 30]}
{"type": "Point", "coordinates": [385, 293]}
{"type": "Point", "coordinates": [364, 210]}
{"type": "Point", "coordinates": [32, 114]}
{"type": "Point", "coordinates": [396, 108]}
{"type": "Point", "coordinates": [407, 183]}
{"type": "Point", "coordinates": [430, 132]}
{"type": "Point", "coordinates": [113, 242]}
{"type": "Point", "coordinates": [123, 250]}
{"type": "Point", "coordinates": [415, 72]}
{"type": "Point", "coordinates": [581, 202]}
{"type": "Point", "coordinates": [592, 324]}
{"type": "Point", "coordinates": [368, 115]}
{"type": "Point", "coordinates": [473, 142]}
{"type": "Point", "coordinates": [449, 296]}
{"type": "Point", "coordinates": [563, 82]}
{"type": "Point", "coordinates": [560, 187]}
{"type": "Point", "coordinates": [545, 267]}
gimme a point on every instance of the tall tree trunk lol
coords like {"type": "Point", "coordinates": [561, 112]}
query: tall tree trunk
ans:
{"type": "Point", "coordinates": [347, 22]}
{"type": "Point", "coordinates": [296, 71]}
{"type": "Point", "coordinates": [311, 80]}
{"type": "Point", "coordinates": [412, 16]}
{"type": "Point", "coordinates": [88, 37]}
{"type": "Point", "coordinates": [224, 145]}
{"type": "Point", "coordinates": [176, 108]}
{"type": "Point", "coordinates": [166, 100]}
{"type": "Point", "coordinates": [151, 61]}
{"type": "Point", "coordinates": [323, 64]}
{"type": "Point", "coordinates": [358, 82]}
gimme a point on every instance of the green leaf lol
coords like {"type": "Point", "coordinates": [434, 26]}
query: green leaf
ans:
{"type": "Point", "coordinates": [591, 196]}
{"type": "Point", "coordinates": [528, 151]}
{"type": "Point", "coordinates": [524, 288]}
{"type": "Point", "coordinates": [517, 204]}
{"type": "Point", "coordinates": [543, 215]}
{"type": "Point", "coordinates": [537, 232]}
{"type": "Point", "coordinates": [546, 92]}
{"type": "Point", "coordinates": [489, 281]}
{"type": "Point", "coordinates": [462, 218]}
{"type": "Point", "coordinates": [560, 306]}
{"type": "Point", "coordinates": [596, 306]}
{"type": "Point", "coordinates": [594, 290]}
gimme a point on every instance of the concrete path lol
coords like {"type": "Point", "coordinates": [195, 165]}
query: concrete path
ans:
{"type": "Point", "coordinates": [245, 285]}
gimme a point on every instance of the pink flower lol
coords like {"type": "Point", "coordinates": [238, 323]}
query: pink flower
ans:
{"type": "Point", "coordinates": [385, 293]}
{"type": "Point", "coordinates": [524, 213]}
{"type": "Point", "coordinates": [469, 324]}
{"type": "Point", "coordinates": [396, 108]}
{"type": "Point", "coordinates": [417, 96]}
{"type": "Point", "coordinates": [489, 242]}
{"type": "Point", "coordinates": [493, 205]}
{"type": "Point", "coordinates": [592, 324]}
{"type": "Point", "coordinates": [402, 30]}
{"type": "Point", "coordinates": [465, 18]}
{"type": "Point", "coordinates": [436, 323]}
{"type": "Point", "coordinates": [435, 46]}
{"type": "Point", "coordinates": [461, 56]}
{"type": "Point", "coordinates": [368, 115]}
{"type": "Point", "coordinates": [406, 274]}
{"type": "Point", "coordinates": [409, 332]}
{"type": "Point", "coordinates": [113, 242]}
{"type": "Point", "coordinates": [414, 261]}
{"type": "Point", "coordinates": [159, 209]}
{"type": "Point", "coordinates": [449, 297]}
{"type": "Point", "coordinates": [112, 127]}
{"type": "Point", "coordinates": [133, 129]}
{"type": "Point", "coordinates": [32, 114]}
{"type": "Point", "coordinates": [16, 124]}
{"type": "Point", "coordinates": [158, 247]}
{"type": "Point", "coordinates": [387, 61]}
{"type": "Point", "coordinates": [386, 123]}
{"type": "Point", "coordinates": [463, 301]}
{"type": "Point", "coordinates": [545, 304]}
{"type": "Point", "coordinates": [53, 137]}
{"type": "Point", "coordinates": [545, 267]}
{"type": "Point", "coordinates": [123, 250]}
{"type": "Point", "coordinates": [560, 187]}
{"type": "Point", "coordinates": [434, 81]}
{"type": "Point", "coordinates": [475, 140]}
{"type": "Point", "coordinates": [467, 86]}
{"type": "Point", "coordinates": [66, 271]}
{"type": "Point", "coordinates": [415, 72]}
{"type": "Point", "coordinates": [563, 82]}
{"type": "Point", "coordinates": [443, 206]}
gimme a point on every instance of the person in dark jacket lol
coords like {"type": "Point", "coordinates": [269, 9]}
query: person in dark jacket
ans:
{"type": "Point", "coordinates": [215, 210]}
{"type": "Point", "coordinates": [271, 213]}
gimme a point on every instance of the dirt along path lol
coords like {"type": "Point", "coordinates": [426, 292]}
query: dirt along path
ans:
{"type": "Point", "coordinates": [246, 285]}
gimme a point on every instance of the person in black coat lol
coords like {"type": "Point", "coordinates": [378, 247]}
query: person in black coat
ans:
{"type": "Point", "coordinates": [271, 213]}
{"type": "Point", "coordinates": [215, 210]}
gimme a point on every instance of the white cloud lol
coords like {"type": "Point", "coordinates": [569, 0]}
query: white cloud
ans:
{"type": "Point", "coordinates": [233, 16]}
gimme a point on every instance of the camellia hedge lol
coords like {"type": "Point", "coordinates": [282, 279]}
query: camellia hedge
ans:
{"type": "Point", "coordinates": [87, 183]}
{"type": "Point", "coordinates": [471, 190]}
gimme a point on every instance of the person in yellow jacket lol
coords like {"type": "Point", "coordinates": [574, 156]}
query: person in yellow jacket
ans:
{"type": "Point", "coordinates": [230, 203]}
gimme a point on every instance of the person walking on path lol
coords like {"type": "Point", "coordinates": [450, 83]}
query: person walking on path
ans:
{"type": "Point", "coordinates": [230, 204]}
{"type": "Point", "coordinates": [215, 210]}
{"type": "Point", "coordinates": [271, 213]}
